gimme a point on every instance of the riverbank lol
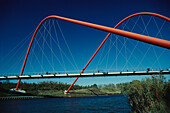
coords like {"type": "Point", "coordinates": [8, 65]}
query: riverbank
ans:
{"type": "Point", "coordinates": [20, 97]}
{"type": "Point", "coordinates": [42, 97]}
{"type": "Point", "coordinates": [79, 92]}
{"type": "Point", "coordinates": [89, 92]}
{"type": "Point", "coordinates": [56, 90]}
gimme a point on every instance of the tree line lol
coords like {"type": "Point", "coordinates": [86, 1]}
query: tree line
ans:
{"type": "Point", "coordinates": [43, 86]}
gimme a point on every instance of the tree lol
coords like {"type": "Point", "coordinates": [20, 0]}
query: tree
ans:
{"type": "Point", "coordinates": [94, 86]}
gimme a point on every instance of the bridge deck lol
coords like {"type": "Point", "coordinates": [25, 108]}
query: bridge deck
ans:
{"type": "Point", "coordinates": [85, 75]}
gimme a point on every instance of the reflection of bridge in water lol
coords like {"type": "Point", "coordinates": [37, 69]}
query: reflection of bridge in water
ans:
{"type": "Point", "coordinates": [99, 74]}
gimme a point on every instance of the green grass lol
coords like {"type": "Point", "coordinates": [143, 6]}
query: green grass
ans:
{"type": "Point", "coordinates": [78, 92]}
{"type": "Point", "coordinates": [57, 89]}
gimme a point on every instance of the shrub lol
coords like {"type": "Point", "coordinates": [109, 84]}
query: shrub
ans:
{"type": "Point", "coordinates": [148, 95]}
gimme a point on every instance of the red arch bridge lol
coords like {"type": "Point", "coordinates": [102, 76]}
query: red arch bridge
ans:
{"type": "Point", "coordinates": [143, 38]}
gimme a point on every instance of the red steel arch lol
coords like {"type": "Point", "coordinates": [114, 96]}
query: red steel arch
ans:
{"type": "Point", "coordinates": [136, 14]}
{"type": "Point", "coordinates": [152, 40]}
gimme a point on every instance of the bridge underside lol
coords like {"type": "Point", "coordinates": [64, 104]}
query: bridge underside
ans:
{"type": "Point", "coordinates": [130, 73]}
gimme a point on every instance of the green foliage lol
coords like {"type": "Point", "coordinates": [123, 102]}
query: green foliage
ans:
{"type": "Point", "coordinates": [94, 86]}
{"type": "Point", "coordinates": [34, 88]}
{"type": "Point", "coordinates": [148, 95]}
{"type": "Point", "coordinates": [7, 86]}
{"type": "Point", "coordinates": [110, 87]}
{"type": "Point", "coordinates": [47, 86]}
{"type": "Point", "coordinates": [57, 89]}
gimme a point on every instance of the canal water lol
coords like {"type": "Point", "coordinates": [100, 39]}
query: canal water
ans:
{"type": "Point", "coordinates": [100, 104]}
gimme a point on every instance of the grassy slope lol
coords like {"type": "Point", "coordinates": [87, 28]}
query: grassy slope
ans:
{"type": "Point", "coordinates": [46, 90]}
{"type": "Point", "coordinates": [79, 92]}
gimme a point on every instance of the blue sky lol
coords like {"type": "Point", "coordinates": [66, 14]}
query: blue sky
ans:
{"type": "Point", "coordinates": [19, 18]}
